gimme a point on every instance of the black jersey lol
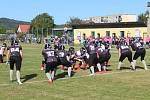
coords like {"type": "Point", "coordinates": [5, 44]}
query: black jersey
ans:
{"type": "Point", "coordinates": [137, 45]}
{"type": "Point", "coordinates": [15, 50]}
{"type": "Point", "coordinates": [49, 55]}
{"type": "Point", "coordinates": [62, 53]}
{"type": "Point", "coordinates": [101, 49]}
{"type": "Point", "coordinates": [91, 49]}
{"type": "Point", "coordinates": [124, 48]}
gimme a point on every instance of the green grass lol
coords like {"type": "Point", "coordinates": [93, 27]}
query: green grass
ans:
{"type": "Point", "coordinates": [118, 85]}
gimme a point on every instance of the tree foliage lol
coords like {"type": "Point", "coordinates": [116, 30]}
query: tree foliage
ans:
{"type": "Point", "coordinates": [2, 30]}
{"type": "Point", "coordinates": [77, 21]}
{"type": "Point", "coordinates": [42, 23]}
{"type": "Point", "coordinates": [143, 17]}
{"type": "Point", "coordinates": [74, 21]}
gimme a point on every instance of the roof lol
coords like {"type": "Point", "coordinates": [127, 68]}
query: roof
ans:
{"type": "Point", "coordinates": [23, 28]}
{"type": "Point", "coordinates": [110, 25]}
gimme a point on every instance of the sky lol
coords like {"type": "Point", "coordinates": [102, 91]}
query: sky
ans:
{"type": "Point", "coordinates": [62, 10]}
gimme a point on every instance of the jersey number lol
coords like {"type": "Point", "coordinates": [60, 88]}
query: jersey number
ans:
{"type": "Point", "coordinates": [61, 54]}
{"type": "Point", "coordinates": [50, 53]}
{"type": "Point", "coordinates": [14, 49]}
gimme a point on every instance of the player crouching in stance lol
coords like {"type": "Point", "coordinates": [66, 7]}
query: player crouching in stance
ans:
{"type": "Point", "coordinates": [14, 54]}
{"type": "Point", "coordinates": [64, 59]}
{"type": "Point", "coordinates": [140, 51]}
{"type": "Point", "coordinates": [49, 55]}
{"type": "Point", "coordinates": [81, 57]}
{"type": "Point", "coordinates": [103, 56]}
{"type": "Point", "coordinates": [124, 51]}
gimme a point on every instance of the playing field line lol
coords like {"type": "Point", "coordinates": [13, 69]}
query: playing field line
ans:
{"type": "Point", "coordinates": [101, 74]}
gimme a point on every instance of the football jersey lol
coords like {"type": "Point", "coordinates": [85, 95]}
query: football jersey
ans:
{"type": "Point", "coordinates": [124, 48]}
{"type": "Point", "coordinates": [15, 50]}
{"type": "Point", "coordinates": [49, 55]}
{"type": "Point", "coordinates": [92, 49]}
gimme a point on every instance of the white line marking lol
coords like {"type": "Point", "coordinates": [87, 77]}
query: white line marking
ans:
{"type": "Point", "coordinates": [102, 74]}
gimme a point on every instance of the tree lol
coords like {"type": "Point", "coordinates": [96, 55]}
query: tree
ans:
{"type": "Point", "coordinates": [74, 21]}
{"type": "Point", "coordinates": [77, 21]}
{"type": "Point", "coordinates": [143, 17]}
{"type": "Point", "coordinates": [42, 24]}
{"type": "Point", "coordinates": [2, 30]}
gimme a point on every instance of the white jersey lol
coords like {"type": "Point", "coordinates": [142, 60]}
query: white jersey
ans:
{"type": "Point", "coordinates": [1, 50]}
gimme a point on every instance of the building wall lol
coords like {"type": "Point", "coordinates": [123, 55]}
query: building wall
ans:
{"type": "Point", "coordinates": [130, 32]}
{"type": "Point", "coordinates": [129, 18]}
{"type": "Point", "coordinates": [114, 18]}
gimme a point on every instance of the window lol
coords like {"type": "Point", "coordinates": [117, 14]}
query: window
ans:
{"type": "Point", "coordinates": [93, 33]}
{"type": "Point", "coordinates": [107, 33]}
{"type": "Point", "coordinates": [113, 34]}
{"type": "Point", "coordinates": [98, 35]}
{"type": "Point", "coordinates": [121, 33]}
{"type": "Point", "coordinates": [84, 36]}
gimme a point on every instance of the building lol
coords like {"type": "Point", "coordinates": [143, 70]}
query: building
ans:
{"type": "Point", "coordinates": [123, 29]}
{"type": "Point", "coordinates": [114, 18]}
{"type": "Point", "coordinates": [23, 29]}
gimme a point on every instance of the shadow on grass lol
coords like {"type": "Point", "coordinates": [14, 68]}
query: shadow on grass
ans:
{"type": "Point", "coordinates": [124, 68]}
{"type": "Point", "coordinates": [29, 77]}
{"type": "Point", "coordinates": [63, 74]}
{"type": "Point", "coordinates": [138, 67]}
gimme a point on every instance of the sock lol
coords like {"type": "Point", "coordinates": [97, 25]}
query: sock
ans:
{"type": "Point", "coordinates": [69, 71]}
{"type": "Point", "coordinates": [11, 75]}
{"type": "Point", "coordinates": [119, 65]}
{"type": "Point", "coordinates": [144, 63]}
{"type": "Point", "coordinates": [134, 61]}
{"type": "Point", "coordinates": [133, 66]}
{"type": "Point", "coordinates": [73, 67]}
{"type": "Point", "coordinates": [49, 76]}
{"type": "Point", "coordinates": [99, 67]}
{"type": "Point", "coordinates": [84, 65]}
{"type": "Point", "coordinates": [104, 68]}
{"type": "Point", "coordinates": [79, 67]}
{"type": "Point", "coordinates": [18, 76]}
{"type": "Point", "coordinates": [92, 69]}
{"type": "Point", "coordinates": [52, 75]}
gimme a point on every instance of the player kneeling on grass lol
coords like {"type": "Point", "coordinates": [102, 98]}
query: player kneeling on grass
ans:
{"type": "Point", "coordinates": [14, 55]}
{"type": "Point", "coordinates": [64, 59]}
{"type": "Point", "coordinates": [140, 51]}
{"type": "Point", "coordinates": [124, 51]}
{"type": "Point", "coordinates": [80, 56]}
{"type": "Point", "coordinates": [51, 61]}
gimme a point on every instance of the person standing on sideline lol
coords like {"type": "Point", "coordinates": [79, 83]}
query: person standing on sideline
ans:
{"type": "Point", "coordinates": [14, 55]}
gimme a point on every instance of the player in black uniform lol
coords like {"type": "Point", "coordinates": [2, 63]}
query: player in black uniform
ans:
{"type": "Point", "coordinates": [92, 57]}
{"type": "Point", "coordinates": [51, 61]}
{"type": "Point", "coordinates": [64, 59]}
{"type": "Point", "coordinates": [107, 50]}
{"type": "Point", "coordinates": [140, 51]}
{"type": "Point", "coordinates": [102, 56]}
{"type": "Point", "coordinates": [124, 51]}
{"type": "Point", "coordinates": [14, 55]}
{"type": "Point", "coordinates": [43, 61]}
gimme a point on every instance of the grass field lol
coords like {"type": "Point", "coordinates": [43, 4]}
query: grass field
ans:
{"type": "Point", "coordinates": [113, 85]}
